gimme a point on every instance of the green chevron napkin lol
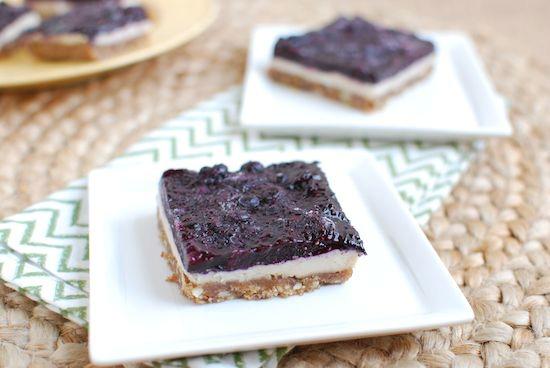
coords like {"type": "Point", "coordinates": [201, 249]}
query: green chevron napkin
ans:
{"type": "Point", "coordinates": [44, 249]}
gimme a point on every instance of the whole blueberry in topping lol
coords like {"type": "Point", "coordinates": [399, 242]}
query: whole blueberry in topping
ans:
{"type": "Point", "coordinates": [213, 175]}
{"type": "Point", "coordinates": [249, 202]}
{"type": "Point", "coordinates": [281, 178]}
{"type": "Point", "coordinates": [254, 202]}
{"type": "Point", "coordinates": [216, 170]}
{"type": "Point", "coordinates": [306, 176]}
{"type": "Point", "coordinates": [252, 167]}
{"type": "Point", "coordinates": [219, 170]}
{"type": "Point", "coordinates": [305, 182]}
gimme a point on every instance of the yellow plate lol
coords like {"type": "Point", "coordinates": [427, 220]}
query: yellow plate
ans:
{"type": "Point", "coordinates": [175, 22]}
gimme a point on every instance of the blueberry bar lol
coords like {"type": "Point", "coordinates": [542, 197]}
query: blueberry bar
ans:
{"type": "Point", "coordinates": [255, 233]}
{"type": "Point", "coordinates": [15, 22]}
{"type": "Point", "coordinates": [353, 61]}
{"type": "Point", "coordinates": [89, 32]}
{"type": "Point", "coordinates": [50, 8]}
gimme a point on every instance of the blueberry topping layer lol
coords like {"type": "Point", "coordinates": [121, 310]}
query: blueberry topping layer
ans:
{"type": "Point", "coordinates": [9, 13]}
{"type": "Point", "coordinates": [91, 20]}
{"type": "Point", "coordinates": [224, 221]}
{"type": "Point", "coordinates": [355, 47]}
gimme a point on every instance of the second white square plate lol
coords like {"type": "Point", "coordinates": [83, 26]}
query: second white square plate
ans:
{"type": "Point", "coordinates": [135, 315]}
{"type": "Point", "coordinates": [456, 101]}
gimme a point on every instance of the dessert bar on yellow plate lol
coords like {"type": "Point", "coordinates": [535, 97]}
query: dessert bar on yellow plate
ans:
{"type": "Point", "coordinates": [90, 32]}
{"type": "Point", "coordinates": [174, 23]}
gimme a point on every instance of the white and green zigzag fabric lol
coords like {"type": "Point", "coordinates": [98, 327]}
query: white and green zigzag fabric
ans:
{"type": "Point", "coordinates": [44, 249]}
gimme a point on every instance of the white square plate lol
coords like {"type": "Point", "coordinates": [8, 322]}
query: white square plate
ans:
{"type": "Point", "coordinates": [136, 315]}
{"type": "Point", "coordinates": [456, 101]}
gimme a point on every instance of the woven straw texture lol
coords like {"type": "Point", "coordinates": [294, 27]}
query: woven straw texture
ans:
{"type": "Point", "coordinates": [493, 232]}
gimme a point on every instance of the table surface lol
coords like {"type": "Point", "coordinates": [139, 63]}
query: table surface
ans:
{"type": "Point", "coordinates": [518, 26]}
{"type": "Point", "coordinates": [493, 232]}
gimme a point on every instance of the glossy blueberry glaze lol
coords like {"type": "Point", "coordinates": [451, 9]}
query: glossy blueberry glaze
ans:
{"type": "Point", "coordinates": [91, 20]}
{"type": "Point", "coordinates": [9, 13]}
{"type": "Point", "coordinates": [224, 221]}
{"type": "Point", "coordinates": [356, 48]}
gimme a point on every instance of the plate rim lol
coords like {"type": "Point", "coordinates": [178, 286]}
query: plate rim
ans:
{"type": "Point", "coordinates": [450, 316]}
{"type": "Point", "coordinates": [500, 127]}
{"type": "Point", "coordinates": [121, 60]}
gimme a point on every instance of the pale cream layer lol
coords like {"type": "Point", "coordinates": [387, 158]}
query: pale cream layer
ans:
{"type": "Point", "coordinates": [123, 34]}
{"type": "Point", "coordinates": [333, 261]}
{"type": "Point", "coordinates": [20, 25]}
{"type": "Point", "coordinates": [346, 84]}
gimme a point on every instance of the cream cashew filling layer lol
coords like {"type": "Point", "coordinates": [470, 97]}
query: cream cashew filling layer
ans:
{"type": "Point", "coordinates": [123, 34]}
{"type": "Point", "coordinates": [339, 81]}
{"type": "Point", "coordinates": [330, 262]}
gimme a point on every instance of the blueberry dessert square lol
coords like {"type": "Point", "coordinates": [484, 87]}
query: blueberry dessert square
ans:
{"type": "Point", "coordinates": [353, 61]}
{"type": "Point", "coordinates": [15, 22]}
{"type": "Point", "coordinates": [90, 31]}
{"type": "Point", "coordinates": [255, 233]}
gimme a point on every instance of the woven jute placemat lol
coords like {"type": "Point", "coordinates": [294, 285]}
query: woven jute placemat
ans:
{"type": "Point", "coordinates": [493, 232]}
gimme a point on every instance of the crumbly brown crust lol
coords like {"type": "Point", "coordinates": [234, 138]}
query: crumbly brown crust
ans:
{"type": "Point", "coordinates": [49, 48]}
{"type": "Point", "coordinates": [254, 289]}
{"type": "Point", "coordinates": [7, 50]}
{"type": "Point", "coordinates": [10, 48]}
{"type": "Point", "coordinates": [351, 99]}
